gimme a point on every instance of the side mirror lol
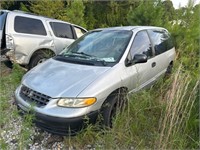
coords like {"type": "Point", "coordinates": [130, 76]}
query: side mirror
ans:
{"type": "Point", "coordinates": [140, 58]}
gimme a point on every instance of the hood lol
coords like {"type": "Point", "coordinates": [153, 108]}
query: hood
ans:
{"type": "Point", "coordinates": [61, 79]}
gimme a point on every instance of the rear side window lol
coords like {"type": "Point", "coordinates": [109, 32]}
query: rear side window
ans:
{"type": "Point", "coordinates": [79, 31]}
{"type": "Point", "coordinates": [141, 45]}
{"type": "Point", "coordinates": [29, 26]}
{"type": "Point", "coordinates": [161, 41]}
{"type": "Point", "coordinates": [61, 30]}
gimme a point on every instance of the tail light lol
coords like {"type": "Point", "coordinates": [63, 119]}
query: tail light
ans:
{"type": "Point", "coordinates": [9, 42]}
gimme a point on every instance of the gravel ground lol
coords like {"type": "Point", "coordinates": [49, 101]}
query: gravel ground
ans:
{"type": "Point", "coordinates": [39, 140]}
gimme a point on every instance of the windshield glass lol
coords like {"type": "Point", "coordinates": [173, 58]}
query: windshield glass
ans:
{"type": "Point", "coordinates": [106, 46]}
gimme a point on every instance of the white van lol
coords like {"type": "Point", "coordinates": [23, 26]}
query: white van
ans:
{"type": "Point", "coordinates": [28, 39]}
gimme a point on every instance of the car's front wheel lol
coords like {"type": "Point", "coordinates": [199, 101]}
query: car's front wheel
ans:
{"type": "Point", "coordinates": [114, 103]}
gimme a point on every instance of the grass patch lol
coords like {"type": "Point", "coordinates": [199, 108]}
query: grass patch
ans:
{"type": "Point", "coordinates": [8, 112]}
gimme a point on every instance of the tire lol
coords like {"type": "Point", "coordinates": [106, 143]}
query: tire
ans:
{"type": "Point", "coordinates": [169, 70]}
{"type": "Point", "coordinates": [38, 58]}
{"type": "Point", "coordinates": [114, 103]}
{"type": "Point", "coordinates": [8, 64]}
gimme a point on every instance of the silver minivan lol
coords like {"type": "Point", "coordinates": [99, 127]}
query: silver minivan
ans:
{"type": "Point", "coordinates": [93, 75]}
{"type": "Point", "coordinates": [29, 39]}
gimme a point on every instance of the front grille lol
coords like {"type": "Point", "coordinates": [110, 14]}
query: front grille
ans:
{"type": "Point", "coordinates": [34, 97]}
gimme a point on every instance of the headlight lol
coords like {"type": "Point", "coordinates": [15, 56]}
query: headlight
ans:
{"type": "Point", "coordinates": [76, 102]}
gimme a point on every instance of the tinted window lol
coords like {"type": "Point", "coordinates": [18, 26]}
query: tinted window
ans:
{"type": "Point", "coordinates": [170, 43]}
{"type": "Point", "coordinates": [61, 30]}
{"type": "Point", "coordinates": [161, 40]}
{"type": "Point", "coordinates": [29, 26]}
{"type": "Point", "coordinates": [141, 45]}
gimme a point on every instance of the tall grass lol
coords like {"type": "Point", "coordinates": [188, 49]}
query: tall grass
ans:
{"type": "Point", "coordinates": [157, 118]}
{"type": "Point", "coordinates": [179, 101]}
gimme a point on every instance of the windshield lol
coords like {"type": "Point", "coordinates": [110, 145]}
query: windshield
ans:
{"type": "Point", "coordinates": [105, 46]}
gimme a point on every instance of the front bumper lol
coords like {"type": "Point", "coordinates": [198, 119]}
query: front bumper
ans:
{"type": "Point", "coordinates": [64, 126]}
{"type": "Point", "coordinates": [60, 122]}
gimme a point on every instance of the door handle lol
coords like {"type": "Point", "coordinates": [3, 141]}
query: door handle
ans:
{"type": "Point", "coordinates": [153, 64]}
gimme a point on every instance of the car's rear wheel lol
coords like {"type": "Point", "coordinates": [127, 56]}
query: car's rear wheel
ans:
{"type": "Point", "coordinates": [114, 103]}
{"type": "Point", "coordinates": [169, 70]}
{"type": "Point", "coordinates": [39, 57]}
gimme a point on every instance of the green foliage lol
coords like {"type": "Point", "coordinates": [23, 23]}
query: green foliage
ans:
{"type": "Point", "coordinates": [75, 12]}
{"type": "Point", "coordinates": [89, 15]}
{"type": "Point", "coordinates": [49, 8]}
{"type": "Point", "coordinates": [6, 4]}
{"type": "Point", "coordinates": [149, 13]}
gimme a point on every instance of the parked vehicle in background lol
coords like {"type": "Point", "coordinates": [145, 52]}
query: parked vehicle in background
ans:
{"type": "Point", "coordinates": [28, 39]}
{"type": "Point", "coordinates": [93, 75]}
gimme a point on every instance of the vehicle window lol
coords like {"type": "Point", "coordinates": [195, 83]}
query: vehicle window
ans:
{"type": "Point", "coordinates": [141, 45]}
{"type": "Point", "coordinates": [161, 41]}
{"type": "Point", "coordinates": [107, 46]}
{"type": "Point", "coordinates": [2, 19]}
{"type": "Point", "coordinates": [29, 26]}
{"type": "Point", "coordinates": [61, 30]}
{"type": "Point", "coordinates": [170, 43]}
{"type": "Point", "coordinates": [79, 31]}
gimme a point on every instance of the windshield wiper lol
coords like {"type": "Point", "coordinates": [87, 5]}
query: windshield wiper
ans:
{"type": "Point", "coordinates": [103, 62]}
{"type": "Point", "coordinates": [82, 53]}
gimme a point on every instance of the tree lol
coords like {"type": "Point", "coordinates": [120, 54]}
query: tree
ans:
{"type": "Point", "coordinates": [147, 13]}
{"type": "Point", "coordinates": [75, 12]}
{"type": "Point", "coordinates": [169, 11]}
{"type": "Point", "coordinates": [89, 15]}
{"type": "Point", "coordinates": [49, 8]}
{"type": "Point", "coordinates": [10, 5]}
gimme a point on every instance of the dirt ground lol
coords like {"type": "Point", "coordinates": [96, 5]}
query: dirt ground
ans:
{"type": "Point", "coordinates": [5, 68]}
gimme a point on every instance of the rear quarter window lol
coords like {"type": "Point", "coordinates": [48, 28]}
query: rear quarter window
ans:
{"type": "Point", "coordinates": [29, 26]}
{"type": "Point", "coordinates": [79, 31]}
{"type": "Point", "coordinates": [162, 41]}
{"type": "Point", "coordinates": [61, 30]}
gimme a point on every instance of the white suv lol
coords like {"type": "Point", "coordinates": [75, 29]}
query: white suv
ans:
{"type": "Point", "coordinates": [29, 39]}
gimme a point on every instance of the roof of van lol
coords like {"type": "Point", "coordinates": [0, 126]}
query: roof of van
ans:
{"type": "Point", "coordinates": [130, 28]}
